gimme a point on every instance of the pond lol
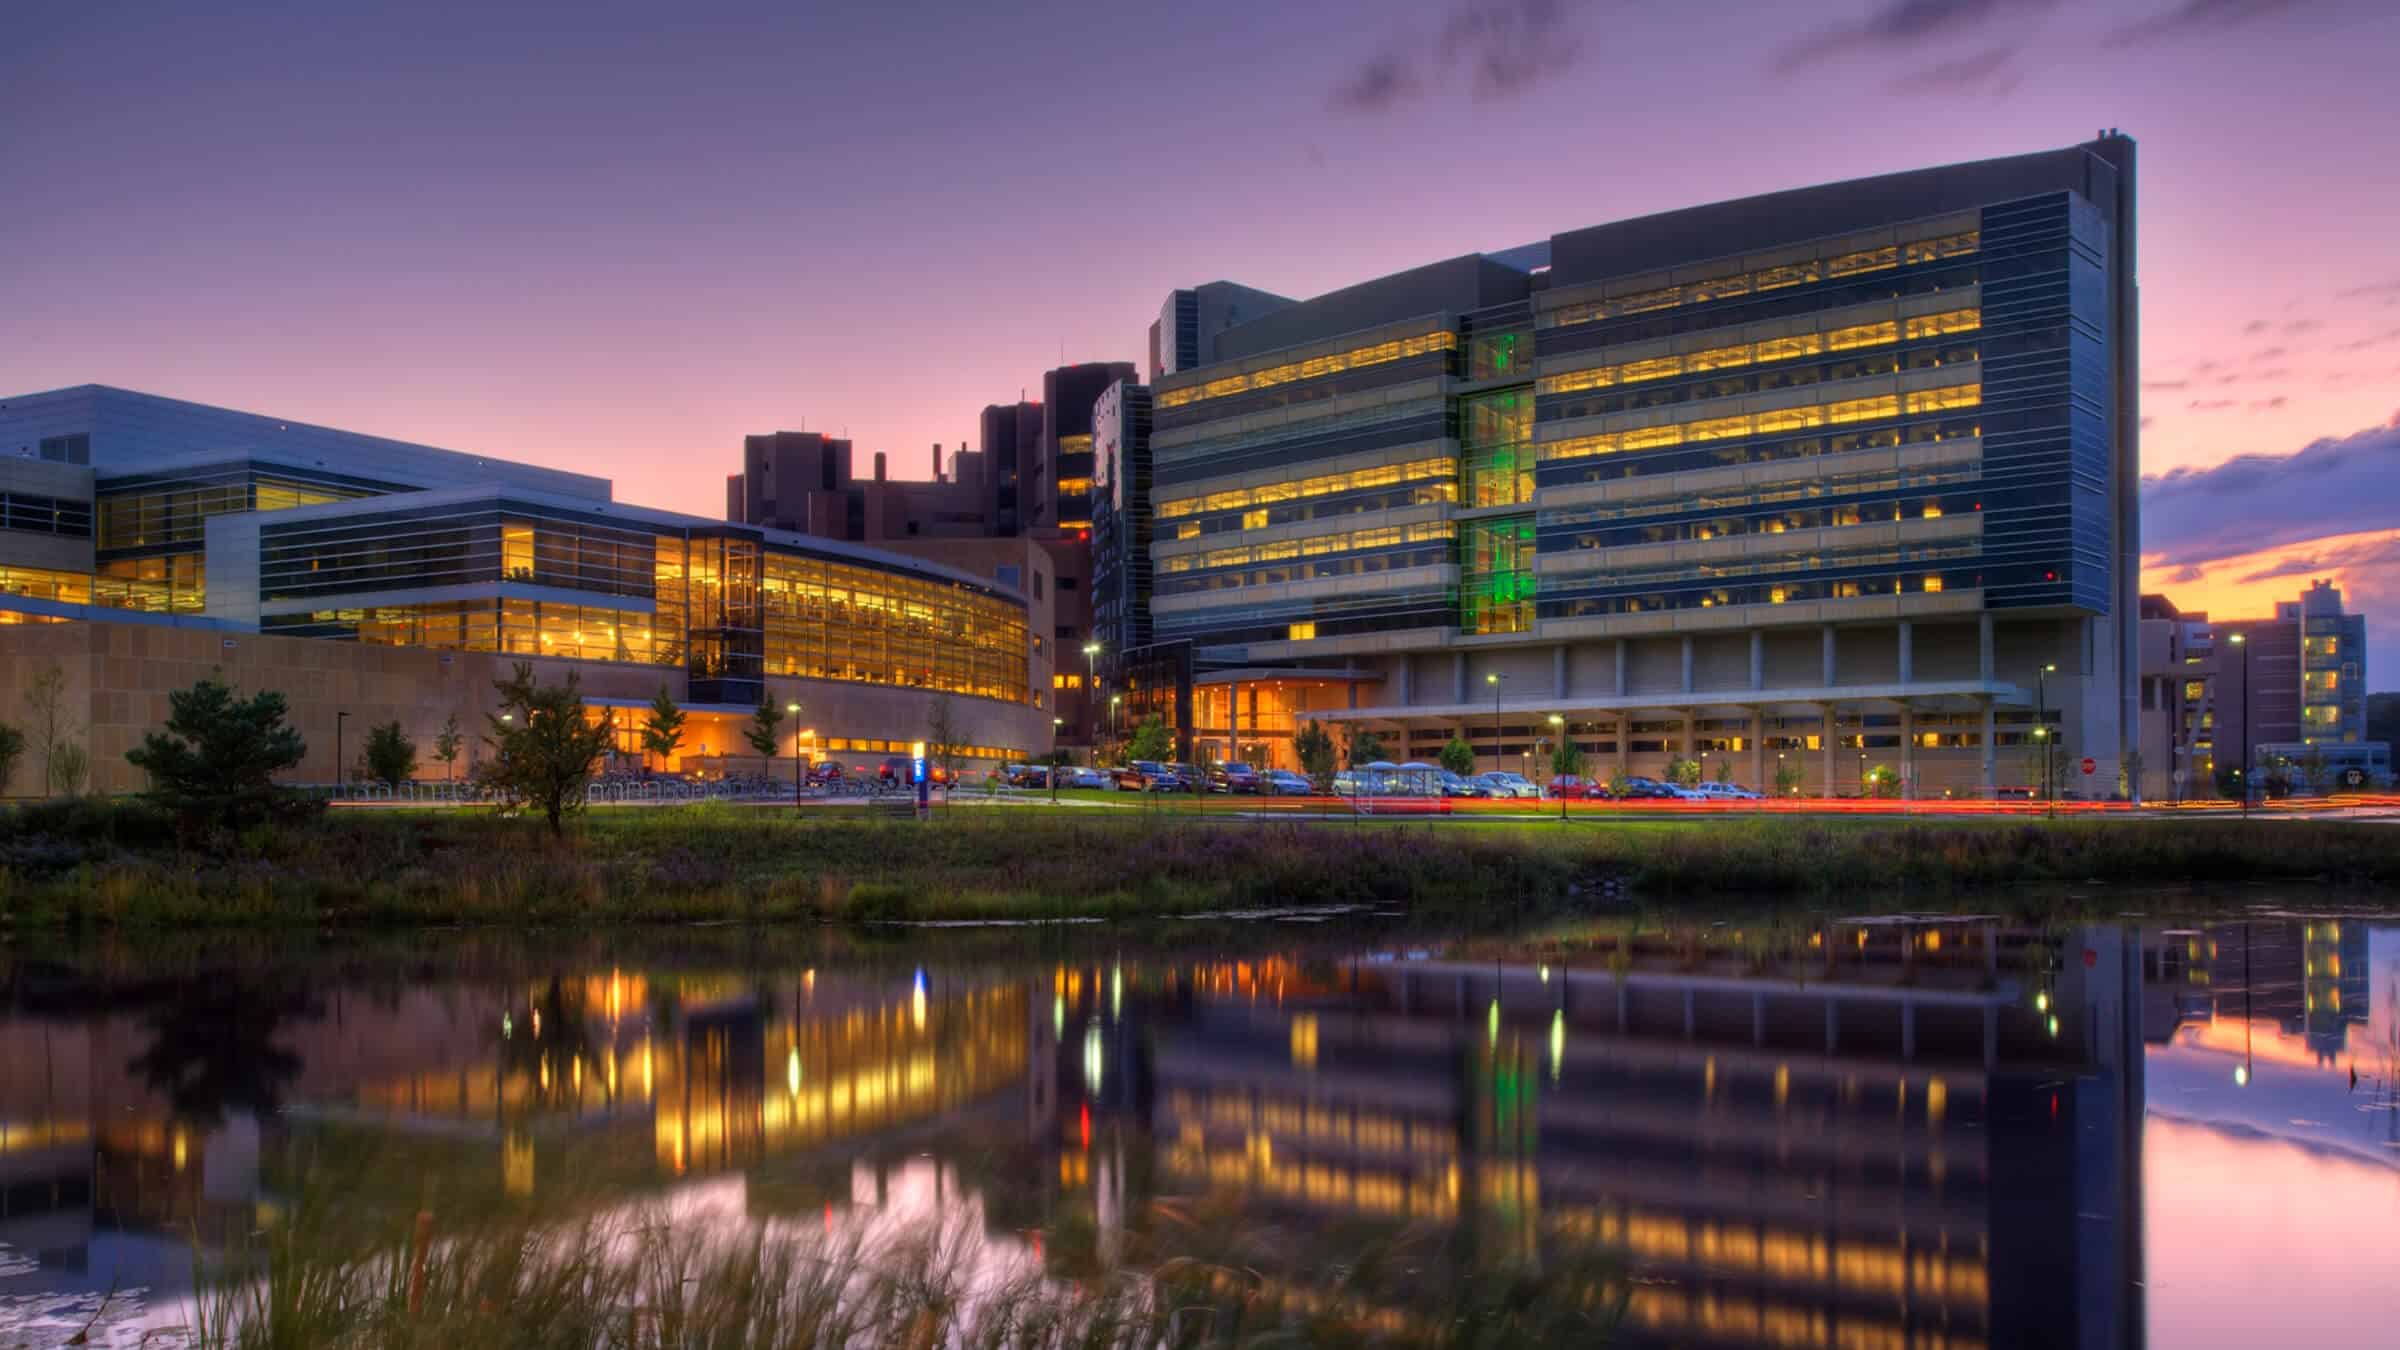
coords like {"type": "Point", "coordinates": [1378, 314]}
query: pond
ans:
{"type": "Point", "coordinates": [1745, 1128]}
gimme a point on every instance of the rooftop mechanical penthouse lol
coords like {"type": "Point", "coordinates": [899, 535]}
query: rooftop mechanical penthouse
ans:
{"type": "Point", "coordinates": [1837, 482]}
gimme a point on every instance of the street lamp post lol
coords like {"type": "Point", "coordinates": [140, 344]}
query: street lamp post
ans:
{"type": "Point", "coordinates": [1113, 732]}
{"type": "Point", "coordinates": [2041, 733]}
{"type": "Point", "coordinates": [2242, 774]}
{"type": "Point", "coordinates": [1558, 731]}
{"type": "Point", "coordinates": [1091, 681]}
{"type": "Point", "coordinates": [1494, 680]}
{"type": "Point", "coordinates": [797, 773]}
{"type": "Point", "coordinates": [338, 775]}
{"type": "Point", "coordinates": [1862, 762]}
{"type": "Point", "coordinates": [1055, 724]}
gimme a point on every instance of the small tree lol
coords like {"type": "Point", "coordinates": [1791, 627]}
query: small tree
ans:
{"type": "Point", "coordinates": [215, 764]}
{"type": "Point", "coordinates": [1458, 757]}
{"type": "Point", "coordinates": [543, 746]}
{"type": "Point", "coordinates": [390, 756]}
{"type": "Point", "coordinates": [54, 731]}
{"type": "Point", "coordinates": [1881, 781]}
{"type": "Point", "coordinates": [1788, 778]}
{"type": "Point", "coordinates": [765, 720]}
{"type": "Point", "coordinates": [2313, 770]}
{"type": "Point", "coordinates": [1314, 746]}
{"type": "Point", "coordinates": [446, 746]}
{"type": "Point", "coordinates": [12, 749]}
{"type": "Point", "coordinates": [2229, 781]}
{"type": "Point", "coordinates": [662, 726]}
{"type": "Point", "coordinates": [1683, 772]}
{"type": "Point", "coordinates": [1725, 770]}
{"type": "Point", "coordinates": [2129, 775]}
{"type": "Point", "coordinates": [1152, 742]}
{"type": "Point", "coordinates": [944, 743]}
{"type": "Point", "coordinates": [1364, 747]}
{"type": "Point", "coordinates": [1566, 759]}
{"type": "Point", "coordinates": [1618, 779]}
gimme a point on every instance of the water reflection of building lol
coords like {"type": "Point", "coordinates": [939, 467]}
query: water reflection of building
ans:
{"type": "Point", "coordinates": [1906, 1148]}
{"type": "Point", "coordinates": [578, 1088]}
{"type": "Point", "coordinates": [2301, 985]}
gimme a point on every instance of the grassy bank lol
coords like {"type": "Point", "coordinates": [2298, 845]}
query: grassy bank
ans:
{"type": "Point", "coordinates": [119, 864]}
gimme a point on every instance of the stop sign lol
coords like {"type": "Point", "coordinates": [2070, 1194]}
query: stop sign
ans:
{"type": "Point", "coordinates": [2089, 766]}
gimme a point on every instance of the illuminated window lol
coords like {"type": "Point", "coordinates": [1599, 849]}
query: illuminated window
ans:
{"type": "Point", "coordinates": [1313, 368]}
{"type": "Point", "coordinates": [1302, 632]}
{"type": "Point", "coordinates": [1933, 583]}
{"type": "Point", "coordinates": [1851, 263]}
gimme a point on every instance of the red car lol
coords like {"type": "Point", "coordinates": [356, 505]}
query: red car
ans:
{"type": "Point", "coordinates": [1576, 789]}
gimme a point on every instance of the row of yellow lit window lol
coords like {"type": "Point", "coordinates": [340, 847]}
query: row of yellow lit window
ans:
{"type": "Point", "coordinates": [1066, 682]}
{"type": "Point", "coordinates": [1773, 278]}
{"type": "Point", "coordinates": [1435, 531]}
{"type": "Point", "coordinates": [1320, 485]}
{"type": "Point", "coordinates": [157, 585]}
{"type": "Point", "coordinates": [1381, 353]}
{"type": "Point", "coordinates": [1795, 490]}
{"type": "Point", "coordinates": [1739, 354]}
{"type": "Point", "coordinates": [1781, 420]}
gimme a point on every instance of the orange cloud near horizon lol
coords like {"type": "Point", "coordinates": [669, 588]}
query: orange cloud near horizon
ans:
{"type": "Point", "coordinates": [2248, 585]}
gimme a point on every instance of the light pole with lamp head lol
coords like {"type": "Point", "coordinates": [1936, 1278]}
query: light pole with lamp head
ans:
{"type": "Point", "coordinates": [1558, 733]}
{"type": "Point", "coordinates": [2241, 774]}
{"type": "Point", "coordinates": [1494, 680]}
{"type": "Point", "coordinates": [1055, 724]}
{"type": "Point", "coordinates": [1091, 683]}
{"type": "Point", "coordinates": [2041, 732]}
{"type": "Point", "coordinates": [339, 776]}
{"type": "Point", "coordinates": [798, 772]}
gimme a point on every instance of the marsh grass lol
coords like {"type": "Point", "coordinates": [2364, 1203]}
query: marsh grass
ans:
{"type": "Point", "coordinates": [643, 1284]}
{"type": "Point", "coordinates": [115, 864]}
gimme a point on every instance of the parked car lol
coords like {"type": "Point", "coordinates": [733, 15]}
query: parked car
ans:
{"type": "Point", "coordinates": [1085, 776]}
{"type": "Point", "coordinates": [1144, 775]}
{"type": "Point", "coordinates": [1233, 778]}
{"type": "Point", "coordinates": [825, 771]}
{"type": "Point", "coordinates": [1029, 775]}
{"type": "Point", "coordinates": [1285, 783]}
{"type": "Point", "coordinates": [1645, 789]}
{"type": "Point", "coordinates": [1576, 788]}
{"type": "Point", "coordinates": [1502, 783]}
{"type": "Point", "coordinates": [1455, 786]}
{"type": "Point", "coordinates": [1187, 778]}
{"type": "Point", "coordinates": [1727, 792]}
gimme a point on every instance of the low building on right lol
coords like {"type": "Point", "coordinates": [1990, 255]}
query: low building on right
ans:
{"type": "Point", "coordinates": [2280, 700]}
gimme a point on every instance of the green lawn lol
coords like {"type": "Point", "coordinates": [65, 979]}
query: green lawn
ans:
{"type": "Point", "coordinates": [120, 863]}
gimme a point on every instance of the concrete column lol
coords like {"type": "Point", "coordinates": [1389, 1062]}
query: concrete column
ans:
{"type": "Point", "coordinates": [1908, 741]}
{"type": "Point", "coordinates": [1758, 658]}
{"type": "Point", "coordinates": [1624, 729]}
{"type": "Point", "coordinates": [1687, 665]}
{"type": "Point", "coordinates": [1991, 736]}
{"type": "Point", "coordinates": [1558, 672]}
{"type": "Point", "coordinates": [1829, 665]}
{"type": "Point", "coordinates": [1983, 647]}
{"type": "Point", "coordinates": [1908, 653]}
{"type": "Point", "coordinates": [1833, 1026]}
{"type": "Point", "coordinates": [1690, 744]}
{"type": "Point", "coordinates": [1758, 748]}
{"type": "Point", "coordinates": [1622, 661]}
{"type": "Point", "coordinates": [1458, 677]}
{"type": "Point", "coordinates": [1351, 688]}
{"type": "Point", "coordinates": [1825, 743]}
{"type": "Point", "coordinates": [1408, 682]}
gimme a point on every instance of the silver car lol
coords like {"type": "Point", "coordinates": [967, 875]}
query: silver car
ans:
{"type": "Point", "coordinates": [1502, 783]}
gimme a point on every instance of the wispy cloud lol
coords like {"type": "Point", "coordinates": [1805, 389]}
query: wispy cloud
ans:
{"type": "Point", "coordinates": [1899, 25]}
{"type": "Point", "coordinates": [1500, 48]}
{"type": "Point", "coordinates": [2365, 292]}
{"type": "Point", "coordinates": [2199, 16]}
{"type": "Point", "coordinates": [1993, 71]}
{"type": "Point", "coordinates": [2378, 340]}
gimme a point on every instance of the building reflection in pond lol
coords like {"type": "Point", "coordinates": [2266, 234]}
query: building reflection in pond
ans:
{"type": "Point", "coordinates": [1868, 1134]}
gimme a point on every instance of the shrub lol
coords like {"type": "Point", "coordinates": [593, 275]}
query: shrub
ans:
{"type": "Point", "coordinates": [390, 756]}
{"type": "Point", "coordinates": [216, 762]}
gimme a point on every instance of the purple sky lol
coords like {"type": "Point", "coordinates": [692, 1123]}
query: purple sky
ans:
{"type": "Point", "coordinates": [616, 238]}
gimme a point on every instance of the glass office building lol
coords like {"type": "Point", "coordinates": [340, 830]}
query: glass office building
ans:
{"type": "Point", "coordinates": [1812, 487]}
{"type": "Point", "coordinates": [122, 507]}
